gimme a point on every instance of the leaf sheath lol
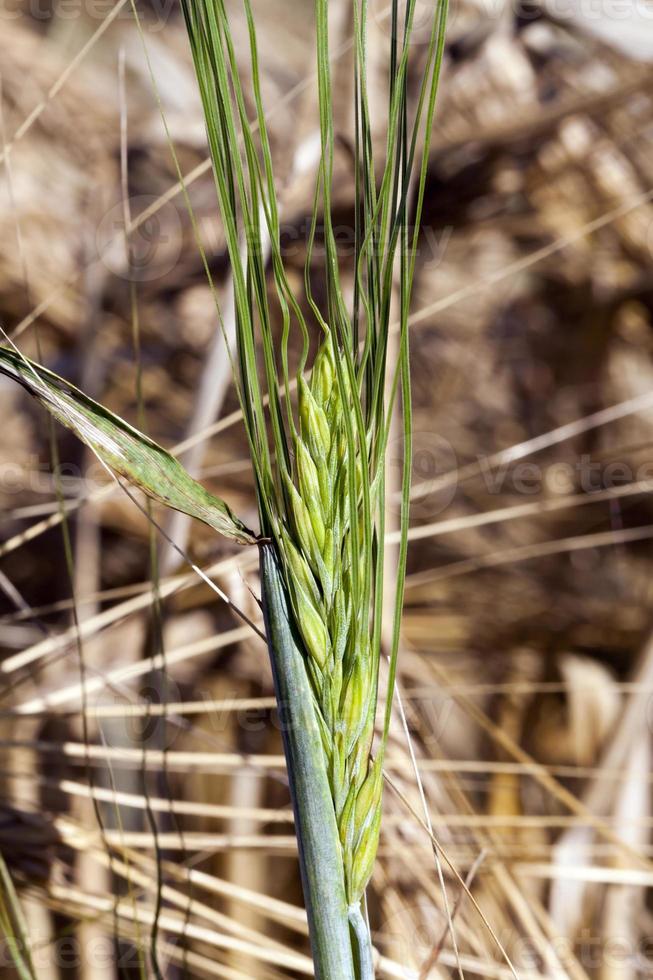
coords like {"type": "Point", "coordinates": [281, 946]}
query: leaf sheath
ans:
{"type": "Point", "coordinates": [317, 833]}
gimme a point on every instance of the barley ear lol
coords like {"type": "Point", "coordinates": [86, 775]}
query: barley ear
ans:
{"type": "Point", "coordinates": [330, 618]}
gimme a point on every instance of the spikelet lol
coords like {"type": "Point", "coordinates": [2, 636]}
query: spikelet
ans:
{"type": "Point", "coordinates": [316, 547]}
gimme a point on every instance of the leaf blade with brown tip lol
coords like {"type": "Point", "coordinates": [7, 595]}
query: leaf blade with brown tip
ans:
{"type": "Point", "coordinates": [123, 449]}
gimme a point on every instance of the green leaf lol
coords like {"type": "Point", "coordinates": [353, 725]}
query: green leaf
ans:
{"type": "Point", "coordinates": [124, 449]}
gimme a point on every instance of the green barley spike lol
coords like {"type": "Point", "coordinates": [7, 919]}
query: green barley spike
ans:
{"type": "Point", "coordinates": [319, 543]}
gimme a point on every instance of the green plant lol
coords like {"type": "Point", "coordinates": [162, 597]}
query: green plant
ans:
{"type": "Point", "coordinates": [13, 927]}
{"type": "Point", "coordinates": [319, 461]}
{"type": "Point", "coordinates": [320, 478]}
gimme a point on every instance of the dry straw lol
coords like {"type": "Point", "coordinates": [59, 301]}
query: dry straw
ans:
{"type": "Point", "coordinates": [319, 462]}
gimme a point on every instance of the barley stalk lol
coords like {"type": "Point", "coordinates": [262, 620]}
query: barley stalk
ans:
{"type": "Point", "coordinates": [318, 466]}
{"type": "Point", "coordinates": [315, 825]}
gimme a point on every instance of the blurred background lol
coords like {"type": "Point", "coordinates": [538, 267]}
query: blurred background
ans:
{"type": "Point", "coordinates": [144, 798]}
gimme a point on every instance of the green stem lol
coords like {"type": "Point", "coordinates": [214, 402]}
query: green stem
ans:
{"type": "Point", "coordinates": [363, 940]}
{"type": "Point", "coordinates": [320, 854]}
